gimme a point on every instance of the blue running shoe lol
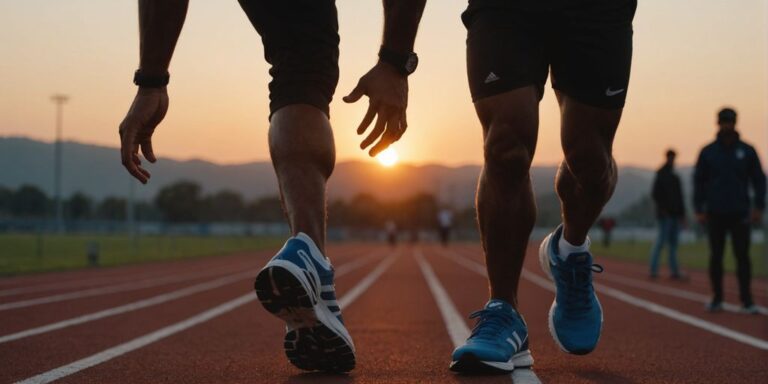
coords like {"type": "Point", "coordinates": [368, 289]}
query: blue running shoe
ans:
{"type": "Point", "coordinates": [576, 317]}
{"type": "Point", "coordinates": [498, 343]}
{"type": "Point", "coordinates": [297, 286]}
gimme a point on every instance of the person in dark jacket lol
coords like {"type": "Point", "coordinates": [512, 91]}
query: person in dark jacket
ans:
{"type": "Point", "coordinates": [725, 171]}
{"type": "Point", "coordinates": [667, 195]}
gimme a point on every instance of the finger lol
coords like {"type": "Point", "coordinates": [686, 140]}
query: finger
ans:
{"type": "Point", "coordinates": [403, 126]}
{"type": "Point", "coordinates": [137, 164]}
{"type": "Point", "coordinates": [147, 151]}
{"type": "Point", "coordinates": [369, 115]}
{"type": "Point", "coordinates": [378, 129]}
{"type": "Point", "coordinates": [355, 95]}
{"type": "Point", "coordinates": [128, 150]}
{"type": "Point", "coordinates": [388, 137]}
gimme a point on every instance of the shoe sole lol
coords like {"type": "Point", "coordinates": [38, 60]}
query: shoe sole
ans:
{"type": "Point", "coordinates": [546, 267]}
{"type": "Point", "coordinates": [469, 363]}
{"type": "Point", "coordinates": [315, 339]}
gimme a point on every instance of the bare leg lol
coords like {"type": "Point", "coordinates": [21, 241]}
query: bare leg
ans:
{"type": "Point", "coordinates": [506, 208]}
{"type": "Point", "coordinates": [587, 177]}
{"type": "Point", "coordinates": [302, 149]}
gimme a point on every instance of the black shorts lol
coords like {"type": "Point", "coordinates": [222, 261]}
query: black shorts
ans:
{"type": "Point", "coordinates": [586, 44]}
{"type": "Point", "coordinates": [301, 42]}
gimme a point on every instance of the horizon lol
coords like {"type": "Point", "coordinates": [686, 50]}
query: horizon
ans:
{"type": "Point", "coordinates": [218, 79]}
{"type": "Point", "coordinates": [372, 161]}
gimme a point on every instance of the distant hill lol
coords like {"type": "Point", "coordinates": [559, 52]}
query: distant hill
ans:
{"type": "Point", "coordinates": [96, 170]}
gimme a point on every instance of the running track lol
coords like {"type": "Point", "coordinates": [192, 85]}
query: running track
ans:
{"type": "Point", "coordinates": [197, 321]}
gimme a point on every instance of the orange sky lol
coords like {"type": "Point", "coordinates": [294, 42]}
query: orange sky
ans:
{"type": "Point", "coordinates": [689, 60]}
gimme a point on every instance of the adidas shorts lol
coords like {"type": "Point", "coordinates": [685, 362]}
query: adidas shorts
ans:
{"type": "Point", "coordinates": [585, 44]}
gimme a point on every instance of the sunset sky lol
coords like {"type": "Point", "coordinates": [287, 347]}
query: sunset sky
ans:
{"type": "Point", "coordinates": [690, 59]}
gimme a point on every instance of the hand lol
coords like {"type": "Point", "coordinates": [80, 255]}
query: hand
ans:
{"type": "Point", "coordinates": [387, 90]}
{"type": "Point", "coordinates": [756, 217]}
{"type": "Point", "coordinates": [701, 217]}
{"type": "Point", "coordinates": [147, 111]}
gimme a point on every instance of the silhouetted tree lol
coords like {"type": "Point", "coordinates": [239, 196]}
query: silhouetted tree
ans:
{"type": "Point", "coordinates": [79, 206]}
{"type": "Point", "coordinates": [180, 201]}
{"type": "Point", "coordinates": [29, 201]}
{"type": "Point", "coordinates": [224, 206]}
{"type": "Point", "coordinates": [267, 209]}
{"type": "Point", "coordinates": [112, 208]}
{"type": "Point", "coordinates": [6, 201]}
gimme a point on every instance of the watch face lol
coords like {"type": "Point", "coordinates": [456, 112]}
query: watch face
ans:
{"type": "Point", "coordinates": [411, 63]}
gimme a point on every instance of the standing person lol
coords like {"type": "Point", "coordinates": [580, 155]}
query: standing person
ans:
{"type": "Point", "coordinates": [512, 45]}
{"type": "Point", "coordinates": [301, 42]}
{"type": "Point", "coordinates": [667, 194]}
{"type": "Point", "coordinates": [607, 224]}
{"type": "Point", "coordinates": [725, 171]}
{"type": "Point", "coordinates": [445, 223]}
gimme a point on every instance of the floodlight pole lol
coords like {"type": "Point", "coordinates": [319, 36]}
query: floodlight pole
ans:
{"type": "Point", "coordinates": [59, 100]}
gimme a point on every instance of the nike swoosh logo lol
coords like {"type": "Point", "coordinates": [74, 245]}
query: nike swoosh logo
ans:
{"type": "Point", "coordinates": [610, 92]}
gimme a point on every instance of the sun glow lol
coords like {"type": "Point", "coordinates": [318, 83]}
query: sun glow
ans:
{"type": "Point", "coordinates": [388, 157]}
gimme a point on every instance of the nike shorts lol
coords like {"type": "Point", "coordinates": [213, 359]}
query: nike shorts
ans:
{"type": "Point", "coordinates": [585, 44]}
{"type": "Point", "coordinates": [301, 42]}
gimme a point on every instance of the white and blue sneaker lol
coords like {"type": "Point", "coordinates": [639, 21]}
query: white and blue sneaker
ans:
{"type": "Point", "coordinates": [498, 343]}
{"type": "Point", "coordinates": [576, 317]}
{"type": "Point", "coordinates": [297, 286]}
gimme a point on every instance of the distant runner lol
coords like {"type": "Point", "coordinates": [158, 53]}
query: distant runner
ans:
{"type": "Point", "coordinates": [512, 46]}
{"type": "Point", "coordinates": [301, 42]}
{"type": "Point", "coordinates": [725, 172]}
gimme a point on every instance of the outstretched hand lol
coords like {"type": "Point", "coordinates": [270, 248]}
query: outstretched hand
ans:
{"type": "Point", "coordinates": [147, 111]}
{"type": "Point", "coordinates": [387, 90]}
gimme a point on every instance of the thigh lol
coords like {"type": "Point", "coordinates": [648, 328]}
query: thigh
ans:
{"type": "Point", "coordinates": [505, 48]}
{"type": "Point", "coordinates": [716, 233]}
{"type": "Point", "coordinates": [301, 42]}
{"type": "Point", "coordinates": [591, 51]}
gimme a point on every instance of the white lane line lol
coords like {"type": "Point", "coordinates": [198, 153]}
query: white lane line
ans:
{"type": "Point", "coordinates": [136, 305]}
{"type": "Point", "coordinates": [104, 278]}
{"type": "Point", "coordinates": [649, 306]}
{"type": "Point", "coordinates": [672, 291]}
{"type": "Point", "coordinates": [457, 328]}
{"type": "Point", "coordinates": [159, 299]}
{"type": "Point", "coordinates": [454, 322]}
{"type": "Point", "coordinates": [142, 341]}
{"type": "Point", "coordinates": [367, 281]}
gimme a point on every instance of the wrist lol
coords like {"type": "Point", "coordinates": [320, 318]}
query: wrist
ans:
{"type": "Point", "coordinates": [150, 79]}
{"type": "Point", "coordinates": [404, 62]}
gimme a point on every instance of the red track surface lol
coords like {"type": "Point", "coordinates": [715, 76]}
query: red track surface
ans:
{"type": "Point", "coordinates": [397, 325]}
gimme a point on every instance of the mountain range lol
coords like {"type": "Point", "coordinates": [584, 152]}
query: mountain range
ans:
{"type": "Point", "coordinates": [96, 171]}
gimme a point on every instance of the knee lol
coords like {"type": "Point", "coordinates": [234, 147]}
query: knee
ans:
{"type": "Point", "coordinates": [507, 153]}
{"type": "Point", "coordinates": [591, 167]}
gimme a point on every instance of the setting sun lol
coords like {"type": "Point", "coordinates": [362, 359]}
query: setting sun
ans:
{"type": "Point", "coordinates": [388, 157]}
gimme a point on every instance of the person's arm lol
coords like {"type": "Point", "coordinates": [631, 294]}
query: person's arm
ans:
{"type": "Point", "coordinates": [700, 178]}
{"type": "Point", "coordinates": [160, 24]}
{"type": "Point", "coordinates": [385, 86]}
{"type": "Point", "coordinates": [757, 179]}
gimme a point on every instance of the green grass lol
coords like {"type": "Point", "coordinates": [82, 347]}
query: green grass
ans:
{"type": "Point", "coordinates": [690, 256]}
{"type": "Point", "coordinates": [28, 253]}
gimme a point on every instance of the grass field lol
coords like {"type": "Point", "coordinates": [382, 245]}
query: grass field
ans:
{"type": "Point", "coordinates": [690, 256]}
{"type": "Point", "coordinates": [27, 253]}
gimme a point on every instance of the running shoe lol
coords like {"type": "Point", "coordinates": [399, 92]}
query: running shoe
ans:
{"type": "Point", "coordinates": [498, 343]}
{"type": "Point", "coordinates": [714, 306]}
{"type": "Point", "coordinates": [297, 286]}
{"type": "Point", "coordinates": [749, 309]}
{"type": "Point", "coordinates": [576, 317]}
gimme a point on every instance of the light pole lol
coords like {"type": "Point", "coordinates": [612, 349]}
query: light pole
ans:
{"type": "Point", "coordinates": [59, 100]}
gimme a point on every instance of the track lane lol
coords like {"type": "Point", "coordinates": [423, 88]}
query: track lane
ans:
{"type": "Point", "coordinates": [636, 345]}
{"type": "Point", "coordinates": [165, 360]}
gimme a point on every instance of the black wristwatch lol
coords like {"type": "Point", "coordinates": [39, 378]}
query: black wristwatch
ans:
{"type": "Point", "coordinates": [150, 81]}
{"type": "Point", "coordinates": [406, 63]}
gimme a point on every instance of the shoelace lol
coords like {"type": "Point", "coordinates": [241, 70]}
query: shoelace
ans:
{"type": "Point", "coordinates": [491, 323]}
{"type": "Point", "coordinates": [578, 293]}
